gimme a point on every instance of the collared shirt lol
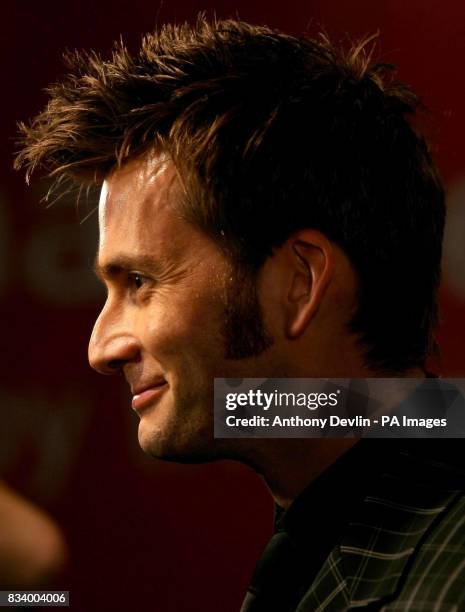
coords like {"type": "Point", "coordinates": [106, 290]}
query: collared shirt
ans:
{"type": "Point", "coordinates": [368, 530]}
{"type": "Point", "coordinates": [306, 533]}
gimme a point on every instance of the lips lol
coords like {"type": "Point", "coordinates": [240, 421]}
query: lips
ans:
{"type": "Point", "coordinates": [145, 396]}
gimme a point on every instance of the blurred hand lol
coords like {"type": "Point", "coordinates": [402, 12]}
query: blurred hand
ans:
{"type": "Point", "coordinates": [32, 548]}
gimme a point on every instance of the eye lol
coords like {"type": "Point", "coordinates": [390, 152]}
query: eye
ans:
{"type": "Point", "coordinates": [137, 280]}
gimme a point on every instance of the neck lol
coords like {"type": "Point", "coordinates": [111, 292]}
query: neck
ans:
{"type": "Point", "coordinates": [288, 466]}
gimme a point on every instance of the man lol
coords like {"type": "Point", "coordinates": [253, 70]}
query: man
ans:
{"type": "Point", "coordinates": [267, 210]}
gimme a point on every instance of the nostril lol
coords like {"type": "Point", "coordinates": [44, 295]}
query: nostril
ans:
{"type": "Point", "coordinates": [109, 355]}
{"type": "Point", "coordinates": [115, 364]}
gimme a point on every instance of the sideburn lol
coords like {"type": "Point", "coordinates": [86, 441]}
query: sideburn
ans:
{"type": "Point", "coordinates": [244, 331]}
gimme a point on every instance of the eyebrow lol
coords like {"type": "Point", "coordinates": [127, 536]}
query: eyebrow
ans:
{"type": "Point", "coordinates": [123, 263]}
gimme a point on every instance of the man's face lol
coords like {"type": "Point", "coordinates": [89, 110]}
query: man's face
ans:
{"type": "Point", "coordinates": [170, 322]}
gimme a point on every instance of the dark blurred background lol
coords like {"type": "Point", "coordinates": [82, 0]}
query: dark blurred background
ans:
{"type": "Point", "coordinates": [144, 535]}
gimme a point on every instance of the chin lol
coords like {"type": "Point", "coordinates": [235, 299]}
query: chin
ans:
{"type": "Point", "coordinates": [176, 447]}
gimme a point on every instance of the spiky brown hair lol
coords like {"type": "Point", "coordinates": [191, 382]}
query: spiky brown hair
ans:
{"type": "Point", "coordinates": [270, 133]}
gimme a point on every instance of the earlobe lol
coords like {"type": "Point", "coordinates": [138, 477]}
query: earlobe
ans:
{"type": "Point", "coordinates": [312, 263]}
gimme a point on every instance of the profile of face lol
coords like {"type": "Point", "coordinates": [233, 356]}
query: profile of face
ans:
{"type": "Point", "coordinates": [174, 318]}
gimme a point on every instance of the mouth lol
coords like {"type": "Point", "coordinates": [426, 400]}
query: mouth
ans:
{"type": "Point", "coordinates": [147, 396]}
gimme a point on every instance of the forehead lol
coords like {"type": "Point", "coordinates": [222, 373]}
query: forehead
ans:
{"type": "Point", "coordinates": [138, 203]}
{"type": "Point", "coordinates": [139, 215]}
{"type": "Point", "coordinates": [139, 189]}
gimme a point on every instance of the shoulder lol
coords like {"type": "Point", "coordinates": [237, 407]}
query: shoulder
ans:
{"type": "Point", "coordinates": [404, 545]}
{"type": "Point", "coordinates": [436, 579]}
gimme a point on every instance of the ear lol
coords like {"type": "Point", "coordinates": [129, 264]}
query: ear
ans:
{"type": "Point", "coordinates": [311, 260]}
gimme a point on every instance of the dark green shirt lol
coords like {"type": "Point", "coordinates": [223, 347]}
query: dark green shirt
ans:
{"type": "Point", "coordinates": [383, 528]}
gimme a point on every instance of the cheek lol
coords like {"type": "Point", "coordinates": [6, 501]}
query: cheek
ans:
{"type": "Point", "coordinates": [190, 326]}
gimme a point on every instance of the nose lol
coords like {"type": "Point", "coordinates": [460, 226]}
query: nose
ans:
{"type": "Point", "coordinates": [112, 344]}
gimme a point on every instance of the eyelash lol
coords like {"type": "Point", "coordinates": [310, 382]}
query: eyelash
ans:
{"type": "Point", "coordinates": [137, 280]}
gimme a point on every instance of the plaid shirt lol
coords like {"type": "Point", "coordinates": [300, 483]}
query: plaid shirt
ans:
{"type": "Point", "coordinates": [401, 544]}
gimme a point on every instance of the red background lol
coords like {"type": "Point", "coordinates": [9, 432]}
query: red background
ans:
{"type": "Point", "coordinates": [142, 534]}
